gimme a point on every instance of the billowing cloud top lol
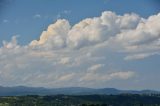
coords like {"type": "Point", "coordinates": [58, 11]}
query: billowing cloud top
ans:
{"type": "Point", "coordinates": [76, 55]}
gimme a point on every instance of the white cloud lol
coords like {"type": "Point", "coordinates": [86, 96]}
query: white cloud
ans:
{"type": "Point", "coordinates": [129, 33]}
{"type": "Point", "coordinates": [64, 60]}
{"type": "Point", "coordinates": [12, 44]}
{"type": "Point", "coordinates": [144, 39]}
{"type": "Point", "coordinates": [79, 53]}
{"type": "Point", "coordinates": [95, 67]}
{"type": "Point", "coordinates": [5, 21]}
{"type": "Point", "coordinates": [66, 12]}
{"type": "Point", "coordinates": [63, 13]}
{"type": "Point", "coordinates": [138, 56]}
{"type": "Point", "coordinates": [121, 75]}
{"type": "Point", "coordinates": [90, 31]}
{"type": "Point", "coordinates": [66, 77]}
{"type": "Point", "coordinates": [55, 36]}
{"type": "Point", "coordinates": [37, 16]}
{"type": "Point", "coordinates": [99, 76]}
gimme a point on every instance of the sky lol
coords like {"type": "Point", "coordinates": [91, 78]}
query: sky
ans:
{"type": "Point", "coordinates": [80, 43]}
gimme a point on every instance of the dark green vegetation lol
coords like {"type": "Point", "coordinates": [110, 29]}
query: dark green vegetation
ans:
{"type": "Point", "coordinates": [82, 100]}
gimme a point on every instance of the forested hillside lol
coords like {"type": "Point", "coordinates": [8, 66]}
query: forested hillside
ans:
{"type": "Point", "coordinates": [82, 100]}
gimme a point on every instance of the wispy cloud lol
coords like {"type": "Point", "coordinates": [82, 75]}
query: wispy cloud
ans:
{"type": "Point", "coordinates": [66, 12]}
{"type": "Point", "coordinates": [5, 21]}
{"type": "Point", "coordinates": [37, 16]}
{"type": "Point", "coordinates": [63, 13]}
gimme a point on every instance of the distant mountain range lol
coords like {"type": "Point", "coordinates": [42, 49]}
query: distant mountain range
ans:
{"type": "Point", "coordinates": [22, 90]}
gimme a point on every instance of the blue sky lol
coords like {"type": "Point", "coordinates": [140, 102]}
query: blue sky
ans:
{"type": "Point", "coordinates": [51, 59]}
{"type": "Point", "coordinates": [20, 13]}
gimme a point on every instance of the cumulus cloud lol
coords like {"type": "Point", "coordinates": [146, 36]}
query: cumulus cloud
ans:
{"type": "Point", "coordinates": [78, 54]}
{"type": "Point", "coordinates": [141, 41]}
{"type": "Point", "coordinates": [128, 33]}
{"type": "Point", "coordinates": [55, 36]}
